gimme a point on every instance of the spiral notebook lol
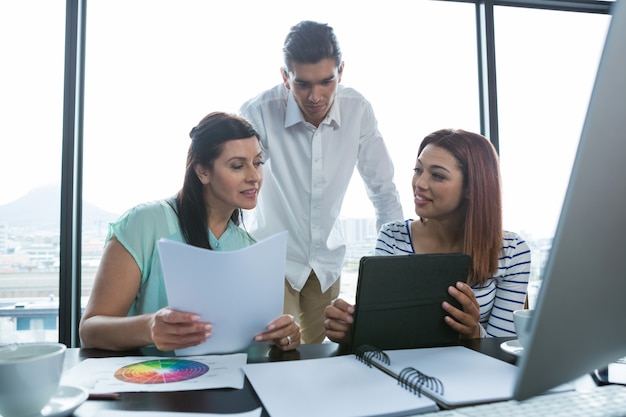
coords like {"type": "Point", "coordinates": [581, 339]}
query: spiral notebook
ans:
{"type": "Point", "coordinates": [374, 382]}
{"type": "Point", "coordinates": [453, 376]}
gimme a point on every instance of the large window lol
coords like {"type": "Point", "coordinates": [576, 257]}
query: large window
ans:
{"type": "Point", "coordinates": [545, 77]}
{"type": "Point", "coordinates": [146, 89]}
{"type": "Point", "coordinates": [31, 107]}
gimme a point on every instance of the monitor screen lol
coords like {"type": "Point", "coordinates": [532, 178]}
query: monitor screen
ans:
{"type": "Point", "coordinates": [579, 322]}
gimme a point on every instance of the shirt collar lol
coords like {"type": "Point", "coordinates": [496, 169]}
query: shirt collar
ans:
{"type": "Point", "coordinates": [216, 244]}
{"type": "Point", "coordinates": [293, 115]}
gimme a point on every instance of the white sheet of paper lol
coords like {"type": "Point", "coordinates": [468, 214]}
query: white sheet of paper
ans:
{"type": "Point", "coordinates": [118, 413]}
{"type": "Point", "coordinates": [240, 292]}
{"type": "Point", "coordinates": [157, 373]}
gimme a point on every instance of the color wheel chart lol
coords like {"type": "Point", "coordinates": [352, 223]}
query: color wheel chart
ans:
{"type": "Point", "coordinates": [161, 371]}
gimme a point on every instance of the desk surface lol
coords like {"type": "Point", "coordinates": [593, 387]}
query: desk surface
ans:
{"type": "Point", "coordinates": [228, 400]}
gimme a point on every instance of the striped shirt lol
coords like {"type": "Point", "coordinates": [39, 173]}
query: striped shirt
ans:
{"type": "Point", "coordinates": [499, 296]}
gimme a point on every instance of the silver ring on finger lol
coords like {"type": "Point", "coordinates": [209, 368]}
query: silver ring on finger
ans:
{"type": "Point", "coordinates": [288, 340]}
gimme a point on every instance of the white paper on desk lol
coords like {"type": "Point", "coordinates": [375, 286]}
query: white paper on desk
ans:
{"type": "Point", "coordinates": [118, 413]}
{"type": "Point", "coordinates": [160, 374]}
{"type": "Point", "coordinates": [240, 292]}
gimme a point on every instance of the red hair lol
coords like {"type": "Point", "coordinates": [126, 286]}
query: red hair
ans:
{"type": "Point", "coordinates": [482, 229]}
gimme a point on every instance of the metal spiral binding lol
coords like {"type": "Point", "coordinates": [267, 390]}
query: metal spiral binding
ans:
{"type": "Point", "coordinates": [365, 353]}
{"type": "Point", "coordinates": [414, 381]}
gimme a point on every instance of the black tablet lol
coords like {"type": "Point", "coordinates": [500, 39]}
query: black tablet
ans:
{"type": "Point", "coordinates": [398, 300]}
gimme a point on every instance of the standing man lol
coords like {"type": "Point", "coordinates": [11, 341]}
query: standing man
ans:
{"type": "Point", "coordinates": [314, 132]}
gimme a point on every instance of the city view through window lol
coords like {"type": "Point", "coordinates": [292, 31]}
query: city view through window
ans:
{"type": "Point", "coordinates": [146, 89]}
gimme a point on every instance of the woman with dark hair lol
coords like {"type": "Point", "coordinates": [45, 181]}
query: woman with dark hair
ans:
{"type": "Point", "coordinates": [456, 188]}
{"type": "Point", "coordinates": [127, 308]}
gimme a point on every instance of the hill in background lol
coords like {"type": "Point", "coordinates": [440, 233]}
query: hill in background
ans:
{"type": "Point", "coordinates": [41, 209]}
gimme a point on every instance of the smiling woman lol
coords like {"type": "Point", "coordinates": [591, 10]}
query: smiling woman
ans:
{"type": "Point", "coordinates": [458, 203]}
{"type": "Point", "coordinates": [128, 307]}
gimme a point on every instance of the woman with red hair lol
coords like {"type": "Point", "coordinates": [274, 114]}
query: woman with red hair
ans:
{"type": "Point", "coordinates": [457, 196]}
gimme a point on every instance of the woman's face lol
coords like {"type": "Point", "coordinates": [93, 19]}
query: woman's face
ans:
{"type": "Point", "coordinates": [437, 184]}
{"type": "Point", "coordinates": [236, 177]}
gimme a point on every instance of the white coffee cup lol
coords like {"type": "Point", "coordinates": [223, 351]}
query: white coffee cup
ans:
{"type": "Point", "coordinates": [29, 377]}
{"type": "Point", "coordinates": [521, 320]}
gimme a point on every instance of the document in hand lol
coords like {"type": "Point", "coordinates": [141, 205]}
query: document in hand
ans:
{"type": "Point", "coordinates": [240, 292]}
{"type": "Point", "coordinates": [339, 386]}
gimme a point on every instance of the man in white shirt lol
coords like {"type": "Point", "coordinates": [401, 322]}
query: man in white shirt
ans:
{"type": "Point", "coordinates": [314, 132]}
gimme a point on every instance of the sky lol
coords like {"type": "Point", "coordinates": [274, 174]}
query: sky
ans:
{"type": "Point", "coordinates": [156, 69]}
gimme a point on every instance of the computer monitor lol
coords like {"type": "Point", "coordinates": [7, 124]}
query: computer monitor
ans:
{"type": "Point", "coordinates": [579, 322]}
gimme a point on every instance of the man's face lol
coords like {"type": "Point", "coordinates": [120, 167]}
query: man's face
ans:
{"type": "Point", "coordinates": [313, 87]}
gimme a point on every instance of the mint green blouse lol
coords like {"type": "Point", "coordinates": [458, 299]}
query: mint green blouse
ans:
{"type": "Point", "coordinates": [139, 229]}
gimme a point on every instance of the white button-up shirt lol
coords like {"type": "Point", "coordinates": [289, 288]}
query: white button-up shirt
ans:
{"type": "Point", "coordinates": [307, 173]}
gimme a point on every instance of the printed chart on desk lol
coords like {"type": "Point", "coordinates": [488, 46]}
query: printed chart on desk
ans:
{"type": "Point", "coordinates": [139, 374]}
{"type": "Point", "coordinates": [161, 371]}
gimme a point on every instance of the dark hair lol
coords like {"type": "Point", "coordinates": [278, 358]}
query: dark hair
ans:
{"type": "Point", "coordinates": [310, 42]}
{"type": "Point", "coordinates": [482, 234]}
{"type": "Point", "coordinates": [207, 144]}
